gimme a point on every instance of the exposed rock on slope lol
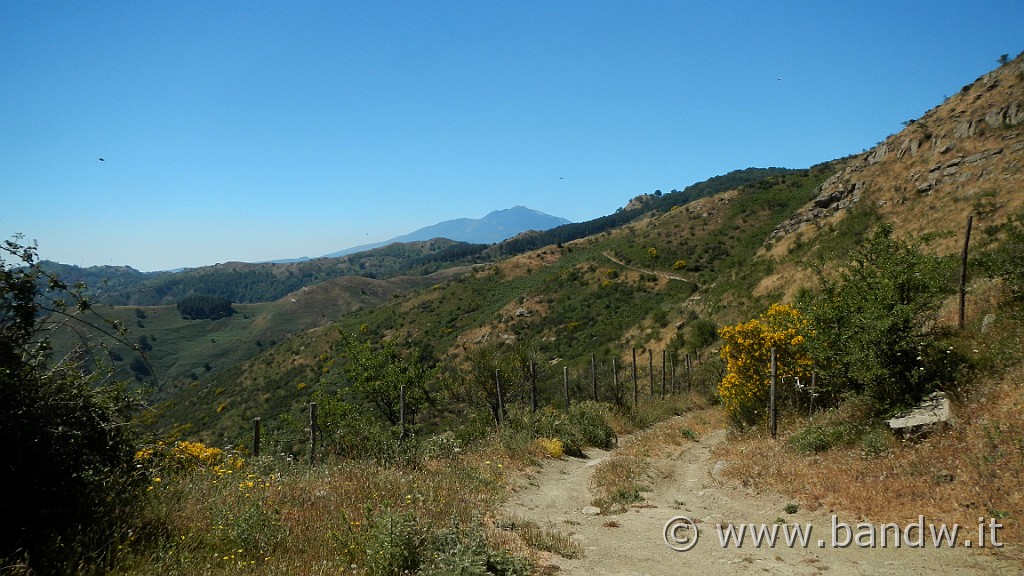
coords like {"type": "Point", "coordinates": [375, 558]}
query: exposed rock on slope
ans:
{"type": "Point", "coordinates": [962, 157]}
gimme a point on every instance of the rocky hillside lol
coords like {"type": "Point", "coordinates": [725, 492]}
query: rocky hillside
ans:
{"type": "Point", "coordinates": [963, 157]}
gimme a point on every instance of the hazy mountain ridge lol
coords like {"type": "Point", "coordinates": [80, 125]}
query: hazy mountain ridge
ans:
{"type": "Point", "coordinates": [494, 227]}
{"type": "Point", "coordinates": [420, 252]}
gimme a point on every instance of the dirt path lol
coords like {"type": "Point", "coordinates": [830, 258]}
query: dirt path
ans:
{"type": "Point", "coordinates": [632, 543]}
{"type": "Point", "coordinates": [666, 275]}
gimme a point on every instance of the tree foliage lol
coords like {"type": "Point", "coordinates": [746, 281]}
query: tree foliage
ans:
{"type": "Point", "coordinates": [69, 478]}
{"type": "Point", "coordinates": [360, 374]}
{"type": "Point", "coordinates": [204, 306]}
{"type": "Point", "coordinates": [477, 384]}
{"type": "Point", "coordinates": [663, 202]}
{"type": "Point", "coordinates": [1005, 260]}
{"type": "Point", "coordinates": [874, 324]}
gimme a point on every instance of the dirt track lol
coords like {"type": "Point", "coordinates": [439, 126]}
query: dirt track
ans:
{"type": "Point", "coordinates": [632, 543]}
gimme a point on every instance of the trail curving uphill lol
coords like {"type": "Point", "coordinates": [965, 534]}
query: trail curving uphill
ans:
{"type": "Point", "coordinates": [665, 275]}
{"type": "Point", "coordinates": [685, 481]}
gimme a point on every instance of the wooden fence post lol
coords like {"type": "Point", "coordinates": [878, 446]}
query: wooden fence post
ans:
{"type": "Point", "coordinates": [650, 369]}
{"type": "Point", "coordinates": [593, 373]}
{"type": "Point", "coordinates": [256, 437]}
{"type": "Point", "coordinates": [635, 395]}
{"type": "Point", "coordinates": [501, 401]}
{"type": "Point", "coordinates": [814, 377]}
{"type": "Point", "coordinates": [533, 386]}
{"type": "Point", "coordinates": [565, 384]}
{"type": "Point", "coordinates": [963, 273]}
{"type": "Point", "coordinates": [314, 432]}
{"type": "Point", "coordinates": [401, 412]}
{"type": "Point", "coordinates": [672, 365]}
{"type": "Point", "coordinates": [615, 379]}
{"type": "Point", "coordinates": [772, 416]}
{"type": "Point", "coordinates": [686, 365]}
{"type": "Point", "coordinates": [662, 374]}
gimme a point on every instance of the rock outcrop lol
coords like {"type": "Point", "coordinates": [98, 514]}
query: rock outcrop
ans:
{"type": "Point", "coordinates": [967, 148]}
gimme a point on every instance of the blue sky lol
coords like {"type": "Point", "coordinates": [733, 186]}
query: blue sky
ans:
{"type": "Point", "coordinates": [265, 130]}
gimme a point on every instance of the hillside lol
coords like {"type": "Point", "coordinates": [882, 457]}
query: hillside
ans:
{"type": "Point", "coordinates": [960, 158]}
{"type": "Point", "coordinates": [181, 351]}
{"type": "Point", "coordinates": [419, 253]}
{"type": "Point", "coordinates": [660, 279]}
{"type": "Point", "coordinates": [250, 283]}
{"type": "Point", "coordinates": [599, 295]}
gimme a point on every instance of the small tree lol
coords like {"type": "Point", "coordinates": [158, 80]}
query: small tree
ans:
{"type": "Point", "coordinates": [70, 482]}
{"type": "Point", "coordinates": [875, 331]}
{"type": "Point", "coordinates": [374, 375]}
{"type": "Point", "coordinates": [477, 384]}
{"type": "Point", "coordinates": [1005, 261]}
{"type": "Point", "coordinates": [205, 306]}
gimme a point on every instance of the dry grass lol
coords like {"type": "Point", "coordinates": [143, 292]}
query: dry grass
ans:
{"type": "Point", "coordinates": [787, 280]}
{"type": "Point", "coordinates": [311, 521]}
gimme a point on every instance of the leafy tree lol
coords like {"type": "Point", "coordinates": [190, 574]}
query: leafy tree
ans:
{"type": "Point", "coordinates": [477, 387]}
{"type": "Point", "coordinates": [68, 475]}
{"type": "Point", "coordinates": [202, 306]}
{"type": "Point", "coordinates": [874, 329]}
{"type": "Point", "coordinates": [700, 332]}
{"type": "Point", "coordinates": [1005, 261]}
{"type": "Point", "coordinates": [375, 374]}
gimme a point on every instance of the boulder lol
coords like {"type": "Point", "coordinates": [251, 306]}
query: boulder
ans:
{"type": "Point", "coordinates": [932, 414]}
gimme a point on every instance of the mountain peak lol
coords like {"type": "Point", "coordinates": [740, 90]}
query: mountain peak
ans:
{"type": "Point", "coordinates": [494, 227]}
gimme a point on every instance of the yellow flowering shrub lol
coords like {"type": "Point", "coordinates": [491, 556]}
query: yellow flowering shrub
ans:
{"type": "Point", "coordinates": [747, 353]}
{"type": "Point", "coordinates": [551, 447]}
{"type": "Point", "coordinates": [189, 456]}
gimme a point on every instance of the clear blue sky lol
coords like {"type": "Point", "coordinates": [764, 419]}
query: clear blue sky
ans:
{"type": "Point", "coordinates": [266, 130]}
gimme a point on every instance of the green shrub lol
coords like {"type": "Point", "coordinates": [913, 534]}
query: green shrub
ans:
{"type": "Point", "coordinates": [253, 531]}
{"type": "Point", "coordinates": [823, 437]}
{"type": "Point", "coordinates": [584, 425]}
{"type": "Point", "coordinates": [587, 421]}
{"type": "Point", "coordinates": [876, 441]}
{"type": "Point", "coordinates": [874, 330]}
{"type": "Point", "coordinates": [463, 551]}
{"type": "Point", "coordinates": [1004, 261]}
{"type": "Point", "coordinates": [205, 306]}
{"type": "Point", "coordinates": [393, 545]}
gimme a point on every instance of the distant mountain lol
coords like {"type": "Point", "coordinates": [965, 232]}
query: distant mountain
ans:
{"type": "Point", "coordinates": [495, 227]}
{"type": "Point", "coordinates": [101, 280]}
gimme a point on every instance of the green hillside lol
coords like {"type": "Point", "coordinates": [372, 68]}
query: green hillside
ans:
{"type": "Point", "coordinates": [657, 276]}
{"type": "Point", "coordinates": [601, 295]}
{"type": "Point", "coordinates": [178, 351]}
